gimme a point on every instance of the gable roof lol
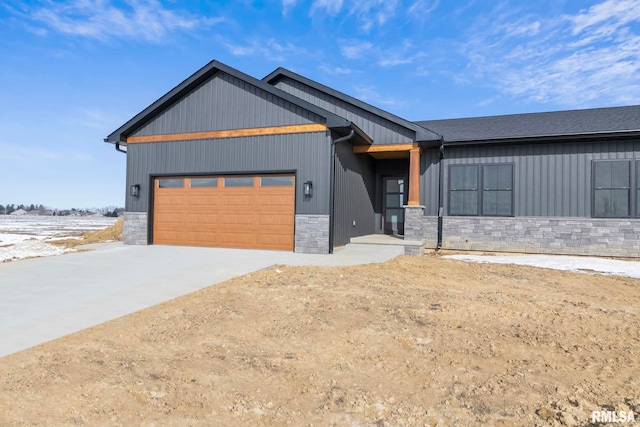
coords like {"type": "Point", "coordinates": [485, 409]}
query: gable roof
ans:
{"type": "Point", "coordinates": [334, 122]}
{"type": "Point", "coordinates": [422, 133]}
{"type": "Point", "coordinates": [551, 125]}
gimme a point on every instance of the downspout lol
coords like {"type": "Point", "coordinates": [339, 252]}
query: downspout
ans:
{"type": "Point", "coordinates": [332, 183]}
{"type": "Point", "coordinates": [440, 194]}
{"type": "Point", "coordinates": [120, 149]}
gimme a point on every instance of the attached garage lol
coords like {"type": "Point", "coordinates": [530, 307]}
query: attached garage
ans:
{"type": "Point", "coordinates": [227, 160]}
{"type": "Point", "coordinates": [240, 211]}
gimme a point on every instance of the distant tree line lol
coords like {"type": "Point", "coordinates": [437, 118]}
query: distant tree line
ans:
{"type": "Point", "coordinates": [110, 211]}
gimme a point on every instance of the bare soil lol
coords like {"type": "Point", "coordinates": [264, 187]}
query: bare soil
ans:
{"type": "Point", "coordinates": [414, 341]}
{"type": "Point", "coordinates": [112, 233]}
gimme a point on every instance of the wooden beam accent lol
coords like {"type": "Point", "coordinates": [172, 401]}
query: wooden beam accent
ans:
{"type": "Point", "coordinates": [414, 177]}
{"type": "Point", "coordinates": [384, 148]}
{"type": "Point", "coordinates": [231, 133]}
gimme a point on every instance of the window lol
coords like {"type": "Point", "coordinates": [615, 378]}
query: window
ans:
{"type": "Point", "coordinates": [497, 190]}
{"type": "Point", "coordinates": [204, 182]}
{"type": "Point", "coordinates": [496, 197]}
{"type": "Point", "coordinates": [463, 197]}
{"type": "Point", "coordinates": [638, 188]}
{"type": "Point", "coordinates": [239, 182]}
{"type": "Point", "coordinates": [611, 188]}
{"type": "Point", "coordinates": [276, 181]}
{"type": "Point", "coordinates": [171, 183]}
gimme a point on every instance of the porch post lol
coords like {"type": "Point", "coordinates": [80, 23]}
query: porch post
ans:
{"type": "Point", "coordinates": [413, 211]}
{"type": "Point", "coordinates": [414, 176]}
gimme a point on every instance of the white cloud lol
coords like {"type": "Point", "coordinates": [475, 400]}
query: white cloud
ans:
{"type": "Point", "coordinates": [270, 49]}
{"type": "Point", "coordinates": [392, 57]}
{"type": "Point", "coordinates": [372, 96]}
{"type": "Point", "coordinates": [332, 7]}
{"type": "Point", "coordinates": [287, 5]}
{"type": "Point", "coordinates": [609, 15]}
{"type": "Point", "coordinates": [338, 71]}
{"type": "Point", "coordinates": [100, 19]}
{"type": "Point", "coordinates": [368, 13]}
{"type": "Point", "coordinates": [400, 54]}
{"type": "Point", "coordinates": [372, 13]}
{"type": "Point", "coordinates": [355, 49]}
{"type": "Point", "coordinates": [421, 9]}
{"type": "Point", "coordinates": [588, 59]}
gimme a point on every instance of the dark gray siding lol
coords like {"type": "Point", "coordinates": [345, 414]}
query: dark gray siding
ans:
{"type": "Point", "coordinates": [225, 102]}
{"type": "Point", "coordinates": [429, 178]}
{"type": "Point", "coordinates": [354, 195]}
{"type": "Point", "coordinates": [381, 130]}
{"type": "Point", "coordinates": [550, 179]}
{"type": "Point", "coordinates": [308, 155]}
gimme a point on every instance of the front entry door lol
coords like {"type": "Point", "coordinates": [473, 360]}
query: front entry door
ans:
{"type": "Point", "coordinates": [394, 198]}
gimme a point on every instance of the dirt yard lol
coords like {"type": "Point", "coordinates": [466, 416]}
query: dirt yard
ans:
{"type": "Point", "coordinates": [415, 341]}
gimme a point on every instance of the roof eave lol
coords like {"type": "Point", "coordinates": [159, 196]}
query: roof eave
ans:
{"type": "Point", "coordinates": [545, 138]}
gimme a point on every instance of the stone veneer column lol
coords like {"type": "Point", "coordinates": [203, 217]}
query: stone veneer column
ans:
{"type": "Point", "coordinates": [312, 234]}
{"type": "Point", "coordinates": [414, 230]}
{"type": "Point", "coordinates": [135, 228]}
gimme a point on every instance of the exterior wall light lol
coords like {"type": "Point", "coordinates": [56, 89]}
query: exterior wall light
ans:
{"type": "Point", "coordinates": [307, 189]}
{"type": "Point", "coordinates": [134, 190]}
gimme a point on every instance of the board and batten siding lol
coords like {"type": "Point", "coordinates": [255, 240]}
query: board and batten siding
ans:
{"type": "Point", "coordinates": [429, 176]}
{"type": "Point", "coordinates": [224, 102]}
{"type": "Point", "coordinates": [305, 154]}
{"type": "Point", "coordinates": [550, 180]}
{"type": "Point", "coordinates": [381, 130]}
{"type": "Point", "coordinates": [355, 189]}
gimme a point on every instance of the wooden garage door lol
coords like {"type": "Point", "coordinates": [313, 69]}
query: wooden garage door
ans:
{"type": "Point", "coordinates": [225, 211]}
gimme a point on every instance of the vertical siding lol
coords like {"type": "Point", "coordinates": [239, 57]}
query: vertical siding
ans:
{"type": "Point", "coordinates": [225, 102]}
{"type": "Point", "coordinates": [354, 195]}
{"type": "Point", "coordinates": [429, 178]}
{"type": "Point", "coordinates": [550, 179]}
{"type": "Point", "coordinates": [381, 130]}
{"type": "Point", "coordinates": [307, 155]}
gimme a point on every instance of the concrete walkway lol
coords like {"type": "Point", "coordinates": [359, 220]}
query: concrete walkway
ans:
{"type": "Point", "coordinates": [45, 298]}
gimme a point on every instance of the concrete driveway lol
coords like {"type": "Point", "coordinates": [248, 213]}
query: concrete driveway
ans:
{"type": "Point", "coordinates": [46, 298]}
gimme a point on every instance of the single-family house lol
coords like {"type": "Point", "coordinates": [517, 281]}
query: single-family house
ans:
{"type": "Point", "coordinates": [284, 162]}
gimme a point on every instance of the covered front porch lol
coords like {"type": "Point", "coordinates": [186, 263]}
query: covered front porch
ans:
{"type": "Point", "coordinates": [399, 212]}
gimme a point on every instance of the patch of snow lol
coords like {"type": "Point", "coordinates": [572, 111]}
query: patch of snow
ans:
{"type": "Point", "coordinates": [561, 262]}
{"type": "Point", "coordinates": [29, 249]}
{"type": "Point", "coordinates": [25, 236]}
{"type": "Point", "coordinates": [11, 239]}
{"type": "Point", "coordinates": [53, 239]}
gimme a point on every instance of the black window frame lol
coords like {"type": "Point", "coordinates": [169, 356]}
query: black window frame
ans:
{"type": "Point", "coordinates": [485, 190]}
{"type": "Point", "coordinates": [630, 187]}
{"type": "Point", "coordinates": [452, 190]}
{"type": "Point", "coordinates": [480, 190]}
{"type": "Point", "coordinates": [169, 182]}
{"type": "Point", "coordinates": [637, 187]}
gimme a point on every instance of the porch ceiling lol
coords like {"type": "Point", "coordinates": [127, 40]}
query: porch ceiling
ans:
{"type": "Point", "coordinates": [386, 151]}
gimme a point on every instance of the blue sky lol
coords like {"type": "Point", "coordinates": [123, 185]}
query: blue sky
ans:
{"type": "Point", "coordinates": [71, 72]}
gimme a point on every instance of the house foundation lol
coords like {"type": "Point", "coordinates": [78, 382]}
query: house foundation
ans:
{"type": "Point", "coordinates": [312, 234]}
{"type": "Point", "coordinates": [135, 228]}
{"type": "Point", "coordinates": [539, 235]}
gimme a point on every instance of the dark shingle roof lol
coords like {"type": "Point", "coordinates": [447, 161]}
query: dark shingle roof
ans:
{"type": "Point", "coordinates": [538, 125]}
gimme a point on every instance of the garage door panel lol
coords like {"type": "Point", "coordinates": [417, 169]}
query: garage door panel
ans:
{"type": "Point", "coordinates": [273, 241]}
{"type": "Point", "coordinates": [272, 219]}
{"type": "Point", "coordinates": [238, 217]}
{"type": "Point", "coordinates": [230, 238]}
